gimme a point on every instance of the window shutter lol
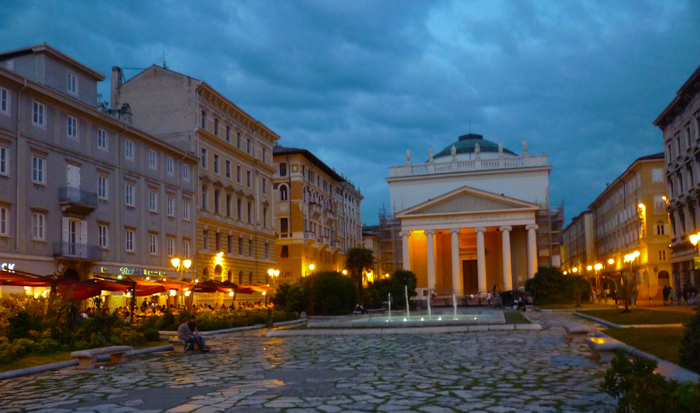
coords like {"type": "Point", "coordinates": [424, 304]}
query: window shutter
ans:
{"type": "Point", "coordinates": [83, 232]}
{"type": "Point", "coordinates": [65, 229]}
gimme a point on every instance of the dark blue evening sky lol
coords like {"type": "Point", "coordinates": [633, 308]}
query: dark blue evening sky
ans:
{"type": "Point", "coordinates": [358, 82]}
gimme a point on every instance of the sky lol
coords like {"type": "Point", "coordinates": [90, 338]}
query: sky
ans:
{"type": "Point", "coordinates": [358, 82]}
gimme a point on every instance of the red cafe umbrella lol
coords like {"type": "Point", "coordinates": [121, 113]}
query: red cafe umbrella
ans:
{"type": "Point", "coordinates": [23, 279]}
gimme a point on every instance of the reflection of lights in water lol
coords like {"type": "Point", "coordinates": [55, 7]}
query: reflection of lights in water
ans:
{"type": "Point", "coordinates": [404, 319]}
{"type": "Point", "coordinates": [421, 319]}
{"type": "Point", "coordinates": [439, 318]}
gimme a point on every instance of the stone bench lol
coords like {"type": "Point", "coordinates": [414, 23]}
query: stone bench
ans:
{"type": "Point", "coordinates": [604, 348]}
{"type": "Point", "coordinates": [178, 345]}
{"type": "Point", "coordinates": [86, 358]}
{"type": "Point", "coordinates": [576, 332]}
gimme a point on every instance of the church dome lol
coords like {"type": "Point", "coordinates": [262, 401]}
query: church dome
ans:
{"type": "Point", "coordinates": [466, 145]}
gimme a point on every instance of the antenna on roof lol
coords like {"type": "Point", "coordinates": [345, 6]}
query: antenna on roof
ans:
{"type": "Point", "coordinates": [165, 64]}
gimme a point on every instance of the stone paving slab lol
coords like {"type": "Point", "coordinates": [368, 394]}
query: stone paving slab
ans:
{"type": "Point", "coordinates": [490, 371]}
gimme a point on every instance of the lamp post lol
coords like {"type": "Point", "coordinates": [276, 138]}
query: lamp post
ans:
{"type": "Point", "coordinates": [597, 268]}
{"type": "Point", "coordinates": [311, 268]}
{"type": "Point", "coordinates": [630, 259]}
{"type": "Point", "coordinates": [273, 274]}
{"type": "Point", "coordinates": [181, 266]}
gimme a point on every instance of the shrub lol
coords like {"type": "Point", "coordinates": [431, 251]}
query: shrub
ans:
{"type": "Point", "coordinates": [291, 297]}
{"type": "Point", "coordinates": [20, 325]}
{"type": "Point", "coordinates": [166, 322]}
{"type": "Point", "coordinates": [151, 335]}
{"type": "Point", "coordinates": [690, 345]}
{"type": "Point", "coordinates": [46, 346]}
{"type": "Point", "coordinates": [378, 293]}
{"type": "Point", "coordinates": [23, 346]}
{"type": "Point", "coordinates": [550, 286]}
{"type": "Point", "coordinates": [330, 293]}
{"type": "Point", "coordinates": [638, 389]}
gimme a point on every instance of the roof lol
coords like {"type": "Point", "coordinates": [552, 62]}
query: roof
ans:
{"type": "Point", "coordinates": [45, 48]}
{"type": "Point", "coordinates": [652, 157]}
{"type": "Point", "coordinates": [282, 150]}
{"type": "Point", "coordinates": [682, 99]}
{"type": "Point", "coordinates": [467, 143]}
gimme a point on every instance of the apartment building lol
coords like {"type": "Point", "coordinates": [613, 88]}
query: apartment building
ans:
{"type": "Point", "coordinates": [235, 231]}
{"type": "Point", "coordinates": [317, 215]}
{"type": "Point", "coordinates": [680, 124]}
{"type": "Point", "coordinates": [81, 192]}
{"type": "Point", "coordinates": [630, 216]}
{"type": "Point", "coordinates": [578, 241]}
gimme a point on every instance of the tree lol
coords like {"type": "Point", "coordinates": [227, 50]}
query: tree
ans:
{"type": "Point", "coordinates": [627, 291]}
{"type": "Point", "coordinates": [359, 260]}
{"type": "Point", "coordinates": [379, 292]}
{"type": "Point", "coordinates": [579, 287]}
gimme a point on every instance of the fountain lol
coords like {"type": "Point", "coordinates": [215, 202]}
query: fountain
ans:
{"type": "Point", "coordinates": [454, 304]}
{"type": "Point", "coordinates": [429, 312]}
{"type": "Point", "coordinates": [408, 311]}
{"type": "Point", "coordinates": [389, 305]}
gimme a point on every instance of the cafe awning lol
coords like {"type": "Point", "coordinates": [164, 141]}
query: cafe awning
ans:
{"type": "Point", "coordinates": [253, 288]}
{"type": "Point", "coordinates": [23, 279]}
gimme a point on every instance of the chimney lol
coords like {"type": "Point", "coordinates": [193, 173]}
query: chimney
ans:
{"type": "Point", "coordinates": [116, 85]}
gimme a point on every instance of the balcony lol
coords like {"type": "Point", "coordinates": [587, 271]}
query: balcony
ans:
{"type": "Point", "coordinates": [315, 209]}
{"type": "Point", "coordinates": [310, 236]}
{"type": "Point", "coordinates": [323, 240]}
{"type": "Point", "coordinates": [77, 251]}
{"type": "Point", "coordinates": [76, 200]}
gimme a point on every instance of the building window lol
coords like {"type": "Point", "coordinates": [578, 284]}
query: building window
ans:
{"type": "Point", "coordinates": [250, 213]}
{"type": "Point", "coordinates": [4, 160]}
{"type": "Point", "coordinates": [217, 240]}
{"type": "Point", "coordinates": [204, 197]}
{"type": "Point", "coordinates": [152, 201]}
{"type": "Point", "coordinates": [4, 217]}
{"type": "Point", "coordinates": [216, 127]}
{"type": "Point", "coordinates": [205, 239]}
{"type": "Point", "coordinates": [660, 228]}
{"type": "Point", "coordinates": [186, 210]}
{"type": "Point", "coordinates": [264, 186]}
{"type": "Point", "coordinates": [284, 225]}
{"type": "Point", "coordinates": [240, 246]}
{"type": "Point", "coordinates": [72, 127]}
{"type": "Point", "coordinates": [129, 150]}
{"type": "Point", "coordinates": [248, 179]}
{"type": "Point", "coordinates": [228, 205]}
{"type": "Point", "coordinates": [238, 209]}
{"type": "Point", "coordinates": [283, 169]}
{"type": "Point", "coordinates": [129, 195]}
{"type": "Point", "coordinates": [284, 195]}
{"type": "Point", "coordinates": [238, 140]}
{"type": "Point", "coordinates": [185, 172]}
{"type": "Point", "coordinates": [102, 187]}
{"type": "Point", "coordinates": [267, 251]}
{"type": "Point", "coordinates": [4, 101]}
{"type": "Point", "coordinates": [216, 163]}
{"type": "Point", "coordinates": [38, 115]}
{"type": "Point", "coordinates": [216, 201]}
{"type": "Point", "coordinates": [102, 236]}
{"type": "Point", "coordinates": [38, 226]}
{"type": "Point", "coordinates": [204, 120]}
{"type": "Point", "coordinates": [238, 173]}
{"type": "Point", "coordinates": [186, 248]}
{"type": "Point", "coordinates": [153, 244]}
{"type": "Point", "coordinates": [228, 169]}
{"type": "Point", "coordinates": [228, 134]}
{"type": "Point", "coordinates": [229, 244]}
{"type": "Point", "coordinates": [662, 255]}
{"type": "Point", "coordinates": [285, 251]}
{"type": "Point", "coordinates": [264, 217]}
{"type": "Point", "coordinates": [38, 170]}
{"type": "Point", "coordinates": [71, 83]}
{"type": "Point", "coordinates": [250, 248]}
{"type": "Point", "coordinates": [203, 160]}
{"type": "Point", "coordinates": [264, 155]}
{"type": "Point", "coordinates": [102, 139]}
{"type": "Point", "coordinates": [171, 246]}
{"type": "Point", "coordinates": [152, 159]}
{"type": "Point", "coordinates": [249, 147]}
{"type": "Point", "coordinates": [169, 166]}
{"type": "Point", "coordinates": [130, 240]}
{"type": "Point", "coordinates": [171, 206]}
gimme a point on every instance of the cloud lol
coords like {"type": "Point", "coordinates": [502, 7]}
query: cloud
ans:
{"type": "Point", "coordinates": [359, 82]}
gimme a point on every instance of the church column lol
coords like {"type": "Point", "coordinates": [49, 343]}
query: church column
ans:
{"type": "Point", "coordinates": [531, 250]}
{"type": "Point", "coordinates": [481, 259]}
{"type": "Point", "coordinates": [507, 269]}
{"type": "Point", "coordinates": [406, 256]}
{"type": "Point", "coordinates": [431, 258]}
{"type": "Point", "coordinates": [456, 285]}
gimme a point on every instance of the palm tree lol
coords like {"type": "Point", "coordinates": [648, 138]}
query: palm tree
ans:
{"type": "Point", "coordinates": [359, 260]}
{"type": "Point", "coordinates": [627, 290]}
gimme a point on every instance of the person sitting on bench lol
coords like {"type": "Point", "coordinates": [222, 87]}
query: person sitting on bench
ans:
{"type": "Point", "coordinates": [521, 304]}
{"type": "Point", "coordinates": [190, 337]}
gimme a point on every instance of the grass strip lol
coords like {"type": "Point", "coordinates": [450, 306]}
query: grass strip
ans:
{"type": "Point", "coordinates": [663, 342]}
{"type": "Point", "coordinates": [640, 316]}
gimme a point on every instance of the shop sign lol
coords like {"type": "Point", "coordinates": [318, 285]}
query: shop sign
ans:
{"type": "Point", "coordinates": [8, 266]}
{"type": "Point", "coordinates": [136, 271]}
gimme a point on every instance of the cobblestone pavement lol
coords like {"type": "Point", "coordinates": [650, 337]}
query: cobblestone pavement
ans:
{"type": "Point", "coordinates": [482, 371]}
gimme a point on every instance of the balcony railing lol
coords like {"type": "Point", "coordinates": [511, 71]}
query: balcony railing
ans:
{"type": "Point", "coordinates": [465, 166]}
{"type": "Point", "coordinates": [77, 200]}
{"type": "Point", "coordinates": [77, 251]}
{"type": "Point", "coordinates": [310, 235]}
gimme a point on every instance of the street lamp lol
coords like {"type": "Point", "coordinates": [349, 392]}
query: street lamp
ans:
{"type": "Point", "coordinates": [273, 274]}
{"type": "Point", "coordinates": [181, 266]}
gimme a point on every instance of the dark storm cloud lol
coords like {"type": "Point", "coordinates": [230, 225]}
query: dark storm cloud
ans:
{"type": "Point", "coordinates": [358, 82]}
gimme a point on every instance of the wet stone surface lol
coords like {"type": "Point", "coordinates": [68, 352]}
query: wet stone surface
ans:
{"type": "Point", "coordinates": [496, 371]}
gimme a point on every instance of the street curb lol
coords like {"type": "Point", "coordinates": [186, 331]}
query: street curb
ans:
{"type": "Point", "coordinates": [401, 330]}
{"type": "Point", "coordinates": [664, 368]}
{"type": "Point", "coordinates": [69, 363]}
{"type": "Point", "coordinates": [168, 334]}
{"type": "Point", "coordinates": [564, 310]}
{"type": "Point", "coordinates": [613, 325]}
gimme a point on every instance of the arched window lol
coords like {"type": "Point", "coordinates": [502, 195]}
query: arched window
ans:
{"type": "Point", "coordinates": [250, 278]}
{"type": "Point", "coordinates": [240, 277]}
{"type": "Point", "coordinates": [205, 274]}
{"type": "Point", "coordinates": [217, 272]}
{"type": "Point", "coordinates": [284, 195]}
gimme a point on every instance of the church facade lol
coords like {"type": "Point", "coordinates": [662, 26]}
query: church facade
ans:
{"type": "Point", "coordinates": [469, 216]}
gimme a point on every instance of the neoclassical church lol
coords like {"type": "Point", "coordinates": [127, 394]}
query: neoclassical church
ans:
{"type": "Point", "coordinates": [472, 217]}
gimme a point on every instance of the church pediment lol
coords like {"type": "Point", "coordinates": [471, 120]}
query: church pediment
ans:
{"type": "Point", "coordinates": [468, 200]}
